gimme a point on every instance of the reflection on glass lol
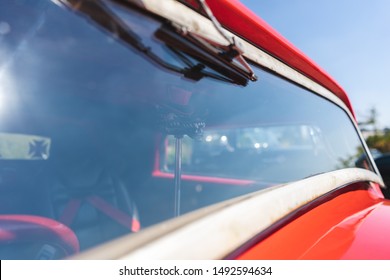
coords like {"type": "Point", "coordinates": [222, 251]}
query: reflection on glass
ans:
{"type": "Point", "coordinates": [276, 154]}
{"type": "Point", "coordinates": [95, 111]}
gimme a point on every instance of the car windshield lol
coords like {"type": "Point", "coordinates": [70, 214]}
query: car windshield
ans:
{"type": "Point", "coordinates": [91, 127]}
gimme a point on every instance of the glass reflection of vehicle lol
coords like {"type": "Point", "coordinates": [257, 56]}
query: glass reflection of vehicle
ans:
{"type": "Point", "coordinates": [270, 153]}
{"type": "Point", "coordinates": [132, 130]}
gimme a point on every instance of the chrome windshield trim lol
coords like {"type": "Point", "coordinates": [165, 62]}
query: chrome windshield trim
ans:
{"type": "Point", "coordinates": [192, 21]}
{"type": "Point", "coordinates": [217, 230]}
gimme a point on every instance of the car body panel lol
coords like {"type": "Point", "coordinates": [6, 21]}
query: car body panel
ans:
{"type": "Point", "coordinates": [194, 22]}
{"type": "Point", "coordinates": [306, 189]}
{"type": "Point", "coordinates": [251, 27]}
{"type": "Point", "coordinates": [353, 225]}
{"type": "Point", "coordinates": [220, 230]}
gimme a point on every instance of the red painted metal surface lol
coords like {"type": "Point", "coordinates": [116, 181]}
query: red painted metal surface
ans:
{"type": "Point", "coordinates": [353, 225]}
{"type": "Point", "coordinates": [234, 16]}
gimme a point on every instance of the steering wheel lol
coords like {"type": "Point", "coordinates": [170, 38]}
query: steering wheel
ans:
{"type": "Point", "coordinates": [35, 237]}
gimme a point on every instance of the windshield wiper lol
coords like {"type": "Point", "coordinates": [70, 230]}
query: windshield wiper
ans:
{"type": "Point", "coordinates": [181, 46]}
{"type": "Point", "coordinates": [234, 51]}
{"type": "Point", "coordinates": [191, 50]}
{"type": "Point", "coordinates": [185, 44]}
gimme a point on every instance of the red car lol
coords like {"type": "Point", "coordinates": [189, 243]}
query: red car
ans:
{"type": "Point", "coordinates": [148, 129]}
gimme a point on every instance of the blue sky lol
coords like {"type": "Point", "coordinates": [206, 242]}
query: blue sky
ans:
{"type": "Point", "coordinates": [349, 39]}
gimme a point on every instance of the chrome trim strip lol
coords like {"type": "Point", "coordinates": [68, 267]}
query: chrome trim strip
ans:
{"type": "Point", "coordinates": [190, 20]}
{"type": "Point", "coordinates": [214, 232]}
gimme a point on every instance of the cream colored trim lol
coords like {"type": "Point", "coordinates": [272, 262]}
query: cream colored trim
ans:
{"type": "Point", "coordinates": [215, 231]}
{"type": "Point", "coordinates": [192, 21]}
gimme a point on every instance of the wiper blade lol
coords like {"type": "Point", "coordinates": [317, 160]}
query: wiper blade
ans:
{"type": "Point", "coordinates": [184, 43]}
{"type": "Point", "coordinates": [233, 50]}
{"type": "Point", "coordinates": [99, 13]}
{"type": "Point", "coordinates": [196, 71]}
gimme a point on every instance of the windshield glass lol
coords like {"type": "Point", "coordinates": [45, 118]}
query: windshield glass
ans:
{"type": "Point", "coordinates": [89, 126]}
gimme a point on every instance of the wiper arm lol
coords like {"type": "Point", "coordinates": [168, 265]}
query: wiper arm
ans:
{"type": "Point", "coordinates": [234, 51]}
{"type": "Point", "coordinates": [183, 43]}
{"type": "Point", "coordinates": [196, 71]}
{"type": "Point", "coordinates": [100, 14]}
